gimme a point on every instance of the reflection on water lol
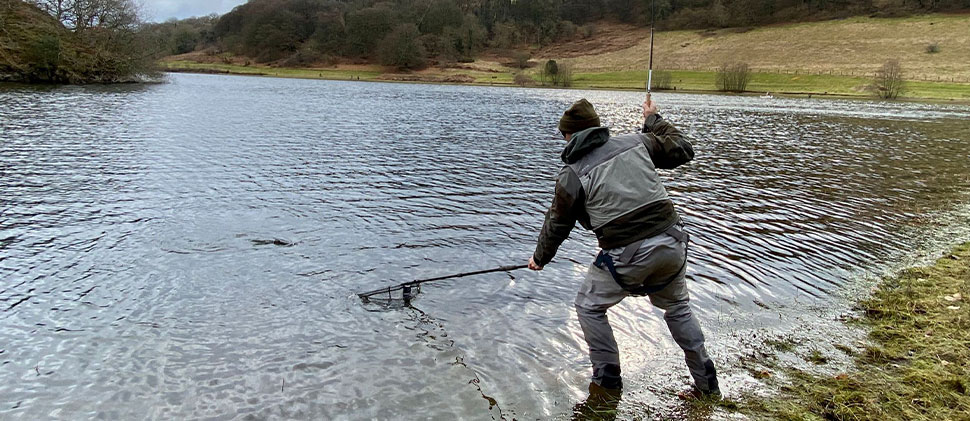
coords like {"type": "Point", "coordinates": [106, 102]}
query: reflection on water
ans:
{"type": "Point", "coordinates": [192, 249]}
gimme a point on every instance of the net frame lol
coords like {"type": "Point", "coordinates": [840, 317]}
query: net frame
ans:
{"type": "Point", "coordinates": [409, 290]}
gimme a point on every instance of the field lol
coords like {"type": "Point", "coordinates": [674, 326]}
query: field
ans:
{"type": "Point", "coordinates": [775, 83]}
{"type": "Point", "coordinates": [855, 46]}
{"type": "Point", "coordinates": [837, 57]}
{"type": "Point", "coordinates": [469, 75]}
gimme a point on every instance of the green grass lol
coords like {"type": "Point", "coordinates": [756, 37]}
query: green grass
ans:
{"type": "Point", "coordinates": [697, 81]}
{"type": "Point", "coordinates": [917, 367]}
{"type": "Point", "coordinates": [775, 83]}
{"type": "Point", "coordinates": [856, 46]}
{"type": "Point", "coordinates": [782, 345]}
{"type": "Point", "coordinates": [760, 82]}
{"type": "Point", "coordinates": [333, 74]}
{"type": "Point", "coordinates": [816, 357]}
{"type": "Point", "coordinates": [369, 73]}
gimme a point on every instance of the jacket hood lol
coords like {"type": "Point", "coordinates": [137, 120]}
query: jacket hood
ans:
{"type": "Point", "coordinates": [583, 142]}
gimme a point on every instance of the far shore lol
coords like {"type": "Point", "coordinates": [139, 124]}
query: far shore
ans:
{"type": "Point", "coordinates": [773, 84]}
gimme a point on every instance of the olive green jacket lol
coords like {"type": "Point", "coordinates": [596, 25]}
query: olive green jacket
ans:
{"type": "Point", "coordinates": [610, 186]}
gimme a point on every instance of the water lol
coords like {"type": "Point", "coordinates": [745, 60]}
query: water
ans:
{"type": "Point", "coordinates": [192, 249]}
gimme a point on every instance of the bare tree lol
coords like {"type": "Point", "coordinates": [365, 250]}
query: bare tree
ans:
{"type": "Point", "coordinates": [889, 80]}
{"type": "Point", "coordinates": [80, 15]}
{"type": "Point", "coordinates": [549, 72]}
{"type": "Point", "coordinates": [662, 80]}
{"type": "Point", "coordinates": [565, 76]}
{"type": "Point", "coordinates": [733, 77]}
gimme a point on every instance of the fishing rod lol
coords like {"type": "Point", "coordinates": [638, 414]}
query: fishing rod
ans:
{"type": "Point", "coordinates": [653, 17]}
{"type": "Point", "coordinates": [407, 288]}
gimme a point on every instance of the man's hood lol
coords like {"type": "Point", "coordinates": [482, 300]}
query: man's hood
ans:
{"type": "Point", "coordinates": [583, 142]}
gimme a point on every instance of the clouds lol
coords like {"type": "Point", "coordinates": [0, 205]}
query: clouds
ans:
{"type": "Point", "coordinates": [160, 10]}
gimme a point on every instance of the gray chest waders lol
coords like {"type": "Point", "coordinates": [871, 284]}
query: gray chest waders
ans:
{"type": "Point", "coordinates": [604, 261]}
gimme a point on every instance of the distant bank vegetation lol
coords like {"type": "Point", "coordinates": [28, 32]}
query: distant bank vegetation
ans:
{"type": "Point", "coordinates": [73, 41]}
{"type": "Point", "coordinates": [84, 41]}
{"type": "Point", "coordinates": [414, 33]}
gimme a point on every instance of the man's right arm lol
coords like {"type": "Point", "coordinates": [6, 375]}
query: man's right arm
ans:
{"type": "Point", "coordinates": [668, 147]}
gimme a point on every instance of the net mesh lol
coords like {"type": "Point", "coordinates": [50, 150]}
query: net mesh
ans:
{"type": "Point", "coordinates": [390, 296]}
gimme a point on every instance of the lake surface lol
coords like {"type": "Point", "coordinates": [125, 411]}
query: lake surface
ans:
{"type": "Point", "coordinates": [193, 249]}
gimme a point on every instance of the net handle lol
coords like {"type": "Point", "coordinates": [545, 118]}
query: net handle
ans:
{"type": "Point", "coordinates": [388, 290]}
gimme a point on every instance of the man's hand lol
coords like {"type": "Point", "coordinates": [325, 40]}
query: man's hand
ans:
{"type": "Point", "coordinates": [533, 265]}
{"type": "Point", "coordinates": [649, 108]}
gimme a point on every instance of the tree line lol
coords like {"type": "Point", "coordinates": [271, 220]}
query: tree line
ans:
{"type": "Point", "coordinates": [410, 33]}
{"type": "Point", "coordinates": [106, 40]}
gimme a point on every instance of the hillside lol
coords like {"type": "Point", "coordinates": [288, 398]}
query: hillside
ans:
{"type": "Point", "coordinates": [854, 46]}
{"type": "Point", "coordinates": [831, 57]}
{"type": "Point", "coordinates": [24, 31]}
{"type": "Point", "coordinates": [37, 48]}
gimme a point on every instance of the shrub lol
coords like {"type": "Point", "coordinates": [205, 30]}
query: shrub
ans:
{"type": "Point", "coordinates": [889, 80]}
{"type": "Point", "coordinates": [565, 76]}
{"type": "Point", "coordinates": [549, 72]}
{"type": "Point", "coordinates": [662, 80]}
{"type": "Point", "coordinates": [521, 59]}
{"type": "Point", "coordinates": [933, 48]}
{"type": "Point", "coordinates": [556, 74]}
{"type": "Point", "coordinates": [44, 56]}
{"type": "Point", "coordinates": [522, 79]}
{"type": "Point", "coordinates": [733, 77]}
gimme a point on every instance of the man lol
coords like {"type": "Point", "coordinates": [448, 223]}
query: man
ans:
{"type": "Point", "coordinates": [610, 186]}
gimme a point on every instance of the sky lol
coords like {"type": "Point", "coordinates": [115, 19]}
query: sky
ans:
{"type": "Point", "coordinates": [162, 10]}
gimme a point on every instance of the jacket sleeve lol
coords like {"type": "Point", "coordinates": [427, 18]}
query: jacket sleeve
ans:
{"type": "Point", "coordinates": [567, 208]}
{"type": "Point", "coordinates": [668, 147]}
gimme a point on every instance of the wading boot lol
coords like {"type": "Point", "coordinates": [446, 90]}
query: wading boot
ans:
{"type": "Point", "coordinates": [608, 376]}
{"type": "Point", "coordinates": [601, 404]}
{"type": "Point", "coordinates": [695, 394]}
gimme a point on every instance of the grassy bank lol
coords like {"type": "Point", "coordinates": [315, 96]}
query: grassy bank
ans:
{"type": "Point", "coordinates": [694, 81]}
{"type": "Point", "coordinates": [917, 366]}
{"type": "Point", "coordinates": [331, 74]}
{"type": "Point", "coordinates": [778, 83]}
{"type": "Point", "coordinates": [370, 73]}
{"type": "Point", "coordinates": [836, 57]}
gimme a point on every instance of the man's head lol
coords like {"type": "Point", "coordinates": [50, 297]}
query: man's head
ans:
{"type": "Point", "coordinates": [580, 116]}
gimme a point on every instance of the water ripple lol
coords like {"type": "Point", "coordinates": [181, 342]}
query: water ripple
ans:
{"type": "Point", "coordinates": [192, 249]}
